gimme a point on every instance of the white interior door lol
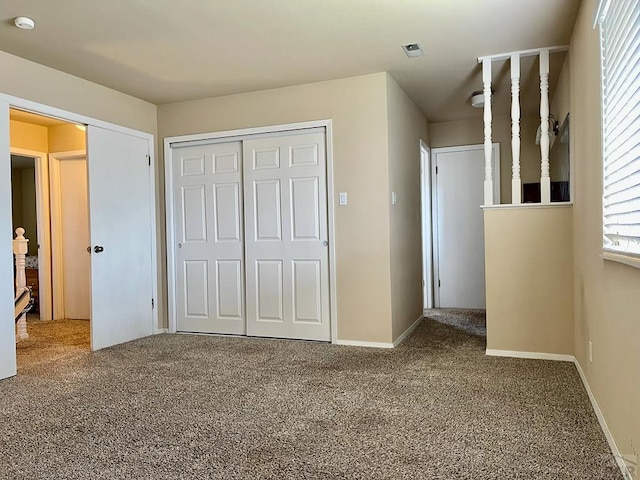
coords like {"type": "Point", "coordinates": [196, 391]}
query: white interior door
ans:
{"type": "Point", "coordinates": [7, 288]}
{"type": "Point", "coordinates": [121, 210]}
{"type": "Point", "coordinates": [286, 247]}
{"type": "Point", "coordinates": [208, 230]}
{"type": "Point", "coordinates": [459, 194]}
{"type": "Point", "coordinates": [74, 226]}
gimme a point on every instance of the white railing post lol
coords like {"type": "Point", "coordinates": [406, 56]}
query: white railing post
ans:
{"type": "Point", "coordinates": [488, 148]}
{"type": "Point", "coordinates": [545, 180]}
{"type": "Point", "coordinates": [516, 183]}
{"type": "Point", "coordinates": [20, 249]}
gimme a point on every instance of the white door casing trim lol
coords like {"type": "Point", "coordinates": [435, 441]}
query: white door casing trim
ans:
{"type": "Point", "coordinates": [231, 135]}
{"type": "Point", "coordinates": [434, 201]}
{"type": "Point", "coordinates": [45, 296]}
{"type": "Point", "coordinates": [49, 111]}
{"type": "Point", "coordinates": [594, 403]}
{"type": "Point", "coordinates": [7, 287]}
{"type": "Point", "coordinates": [57, 270]}
{"type": "Point", "coordinates": [426, 223]}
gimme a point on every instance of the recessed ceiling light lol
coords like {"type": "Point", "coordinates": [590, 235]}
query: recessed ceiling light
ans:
{"type": "Point", "coordinates": [25, 23]}
{"type": "Point", "coordinates": [413, 50]}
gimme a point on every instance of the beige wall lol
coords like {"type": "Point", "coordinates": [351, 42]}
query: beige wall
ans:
{"type": "Point", "coordinates": [358, 108]}
{"type": "Point", "coordinates": [607, 294]}
{"type": "Point", "coordinates": [31, 81]}
{"type": "Point", "coordinates": [529, 272]}
{"type": "Point", "coordinates": [470, 131]}
{"type": "Point", "coordinates": [560, 106]}
{"type": "Point", "coordinates": [407, 126]}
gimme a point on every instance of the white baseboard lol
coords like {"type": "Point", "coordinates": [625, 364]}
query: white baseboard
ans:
{"type": "Point", "coordinates": [603, 424]}
{"type": "Point", "coordinates": [358, 343]}
{"type": "Point", "coordinates": [596, 408]}
{"type": "Point", "coordinates": [158, 331]}
{"type": "Point", "coordinates": [532, 355]}
{"type": "Point", "coordinates": [408, 331]}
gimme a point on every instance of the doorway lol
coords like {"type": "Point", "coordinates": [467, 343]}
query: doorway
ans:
{"type": "Point", "coordinates": [121, 186]}
{"type": "Point", "coordinates": [458, 224]}
{"type": "Point", "coordinates": [70, 235]}
{"type": "Point", "coordinates": [248, 223]}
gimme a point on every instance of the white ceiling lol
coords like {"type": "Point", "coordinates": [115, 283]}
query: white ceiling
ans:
{"type": "Point", "coordinates": [166, 50]}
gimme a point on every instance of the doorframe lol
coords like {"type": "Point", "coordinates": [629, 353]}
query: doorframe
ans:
{"type": "Point", "coordinates": [228, 135]}
{"type": "Point", "coordinates": [427, 227]}
{"type": "Point", "coordinates": [6, 265]}
{"type": "Point", "coordinates": [434, 200]}
{"type": "Point", "coordinates": [57, 264]}
{"type": "Point", "coordinates": [45, 286]}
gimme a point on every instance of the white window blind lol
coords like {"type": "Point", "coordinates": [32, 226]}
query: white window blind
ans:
{"type": "Point", "coordinates": [620, 46]}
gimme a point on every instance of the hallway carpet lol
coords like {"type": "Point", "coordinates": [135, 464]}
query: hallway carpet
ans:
{"type": "Point", "coordinates": [204, 407]}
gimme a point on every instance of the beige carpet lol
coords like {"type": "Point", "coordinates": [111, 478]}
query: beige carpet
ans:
{"type": "Point", "coordinates": [200, 407]}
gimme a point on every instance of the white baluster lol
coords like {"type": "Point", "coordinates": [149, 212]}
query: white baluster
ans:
{"type": "Point", "coordinates": [545, 180]}
{"type": "Point", "coordinates": [516, 183]}
{"type": "Point", "coordinates": [20, 249]}
{"type": "Point", "coordinates": [488, 148]}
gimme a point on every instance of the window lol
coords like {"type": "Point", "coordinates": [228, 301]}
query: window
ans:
{"type": "Point", "coordinates": [620, 53]}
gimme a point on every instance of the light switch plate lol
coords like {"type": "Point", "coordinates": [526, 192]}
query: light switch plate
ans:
{"type": "Point", "coordinates": [342, 198]}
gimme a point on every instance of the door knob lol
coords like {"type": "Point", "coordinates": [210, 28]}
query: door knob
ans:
{"type": "Point", "coordinates": [325, 244]}
{"type": "Point", "coordinates": [98, 249]}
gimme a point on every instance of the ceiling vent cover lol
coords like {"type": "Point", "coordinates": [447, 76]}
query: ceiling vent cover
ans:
{"type": "Point", "coordinates": [413, 50]}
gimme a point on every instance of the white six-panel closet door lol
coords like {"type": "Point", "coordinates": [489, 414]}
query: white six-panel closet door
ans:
{"type": "Point", "coordinates": [208, 205]}
{"type": "Point", "coordinates": [286, 251]}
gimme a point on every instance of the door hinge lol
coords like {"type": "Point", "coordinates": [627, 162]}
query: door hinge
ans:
{"type": "Point", "coordinates": [436, 170]}
{"type": "Point", "coordinates": [149, 159]}
{"type": "Point", "coordinates": [438, 283]}
{"type": "Point", "coordinates": [423, 283]}
{"type": "Point", "coordinates": [153, 303]}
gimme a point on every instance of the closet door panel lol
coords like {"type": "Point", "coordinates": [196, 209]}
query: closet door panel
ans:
{"type": "Point", "coordinates": [286, 236]}
{"type": "Point", "coordinates": [209, 252]}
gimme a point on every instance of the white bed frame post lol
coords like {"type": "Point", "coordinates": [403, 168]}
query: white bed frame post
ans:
{"type": "Point", "coordinates": [20, 249]}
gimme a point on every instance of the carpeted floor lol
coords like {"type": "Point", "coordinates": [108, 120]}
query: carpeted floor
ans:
{"type": "Point", "coordinates": [200, 407]}
{"type": "Point", "coordinates": [473, 321]}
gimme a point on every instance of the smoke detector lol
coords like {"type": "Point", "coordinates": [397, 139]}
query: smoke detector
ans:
{"type": "Point", "coordinates": [413, 50]}
{"type": "Point", "coordinates": [25, 23]}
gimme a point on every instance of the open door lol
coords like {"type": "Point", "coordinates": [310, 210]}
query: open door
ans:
{"type": "Point", "coordinates": [7, 290]}
{"type": "Point", "coordinates": [121, 232]}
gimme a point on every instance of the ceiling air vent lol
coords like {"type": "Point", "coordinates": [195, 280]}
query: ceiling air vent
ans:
{"type": "Point", "coordinates": [413, 50]}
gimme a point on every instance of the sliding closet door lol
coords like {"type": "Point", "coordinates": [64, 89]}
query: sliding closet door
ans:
{"type": "Point", "coordinates": [286, 236]}
{"type": "Point", "coordinates": [208, 232]}
{"type": "Point", "coordinates": [120, 212]}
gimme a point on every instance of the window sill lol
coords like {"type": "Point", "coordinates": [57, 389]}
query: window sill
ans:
{"type": "Point", "coordinates": [616, 257]}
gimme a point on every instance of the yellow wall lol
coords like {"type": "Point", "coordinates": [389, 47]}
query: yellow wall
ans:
{"type": "Point", "coordinates": [607, 294]}
{"type": "Point", "coordinates": [66, 138]}
{"type": "Point", "coordinates": [529, 272]}
{"type": "Point", "coordinates": [407, 127]}
{"type": "Point", "coordinates": [28, 136]}
{"type": "Point", "coordinates": [358, 108]}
